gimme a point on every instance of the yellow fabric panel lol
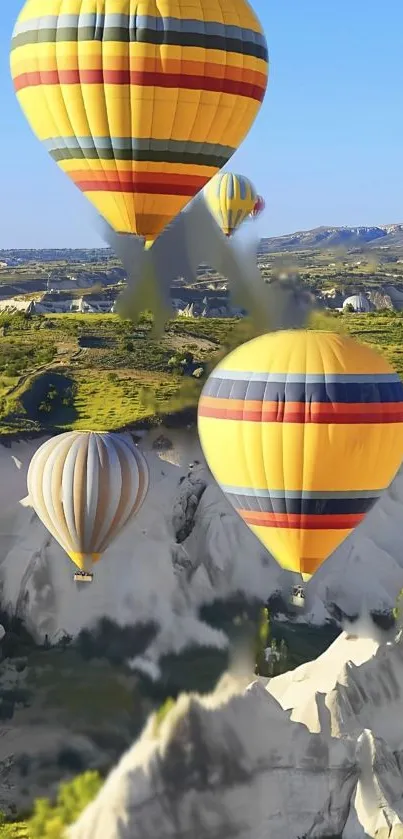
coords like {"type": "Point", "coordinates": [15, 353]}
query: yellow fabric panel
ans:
{"type": "Point", "coordinates": [82, 561]}
{"type": "Point", "coordinates": [291, 544]}
{"type": "Point", "coordinates": [296, 351]}
{"type": "Point", "coordinates": [34, 8]}
{"type": "Point", "coordinates": [114, 205]}
{"type": "Point", "coordinates": [45, 109]}
{"type": "Point", "coordinates": [295, 456]}
{"type": "Point", "coordinates": [231, 12]}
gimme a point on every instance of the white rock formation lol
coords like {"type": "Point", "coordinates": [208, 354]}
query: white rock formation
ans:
{"type": "Point", "coordinates": [228, 766]}
{"type": "Point", "coordinates": [187, 546]}
{"type": "Point", "coordinates": [157, 569]}
{"type": "Point", "coordinates": [346, 701]}
{"type": "Point", "coordinates": [235, 764]}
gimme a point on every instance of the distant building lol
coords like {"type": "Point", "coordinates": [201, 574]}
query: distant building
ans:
{"type": "Point", "coordinates": [359, 303]}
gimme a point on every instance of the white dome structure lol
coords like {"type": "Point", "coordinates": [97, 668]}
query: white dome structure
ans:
{"type": "Point", "coordinates": [359, 302]}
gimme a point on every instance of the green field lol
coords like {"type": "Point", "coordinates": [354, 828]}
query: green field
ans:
{"type": "Point", "coordinates": [97, 371]}
{"type": "Point", "coordinates": [381, 330]}
{"type": "Point", "coordinates": [15, 831]}
{"type": "Point", "coordinates": [102, 373]}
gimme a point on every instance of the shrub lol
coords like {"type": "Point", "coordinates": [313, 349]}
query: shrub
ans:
{"type": "Point", "coordinates": [115, 643]}
{"type": "Point", "coordinates": [49, 821]}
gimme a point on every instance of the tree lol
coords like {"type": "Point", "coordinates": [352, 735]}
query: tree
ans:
{"type": "Point", "coordinates": [49, 821]}
{"type": "Point", "coordinates": [398, 610]}
{"type": "Point", "coordinates": [261, 643]}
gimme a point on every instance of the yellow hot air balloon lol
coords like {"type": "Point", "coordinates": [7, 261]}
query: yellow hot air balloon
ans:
{"type": "Point", "coordinates": [86, 487]}
{"type": "Point", "coordinates": [140, 102]}
{"type": "Point", "coordinates": [303, 431]}
{"type": "Point", "coordinates": [231, 199]}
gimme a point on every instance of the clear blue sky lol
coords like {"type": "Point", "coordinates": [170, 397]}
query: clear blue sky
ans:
{"type": "Point", "coordinates": [325, 149]}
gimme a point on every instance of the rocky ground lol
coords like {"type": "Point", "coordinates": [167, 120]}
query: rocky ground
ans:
{"type": "Point", "coordinates": [65, 709]}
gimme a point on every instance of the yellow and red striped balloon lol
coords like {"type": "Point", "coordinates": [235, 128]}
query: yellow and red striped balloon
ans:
{"type": "Point", "coordinates": [303, 431]}
{"type": "Point", "coordinates": [231, 199]}
{"type": "Point", "coordinates": [140, 102]}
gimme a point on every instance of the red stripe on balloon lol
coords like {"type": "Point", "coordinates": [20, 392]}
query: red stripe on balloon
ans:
{"type": "Point", "coordinates": [142, 78]}
{"type": "Point", "coordinates": [302, 522]}
{"type": "Point", "coordinates": [152, 183]}
{"type": "Point", "coordinates": [301, 416]}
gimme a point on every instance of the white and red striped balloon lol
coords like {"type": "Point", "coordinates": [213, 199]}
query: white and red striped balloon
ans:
{"type": "Point", "coordinates": [259, 207]}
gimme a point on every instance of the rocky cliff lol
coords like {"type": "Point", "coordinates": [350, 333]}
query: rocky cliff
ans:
{"type": "Point", "coordinates": [238, 765]}
{"type": "Point", "coordinates": [187, 546]}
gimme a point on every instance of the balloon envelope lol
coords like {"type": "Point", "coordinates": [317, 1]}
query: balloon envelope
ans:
{"type": "Point", "coordinates": [259, 207]}
{"type": "Point", "coordinates": [231, 199]}
{"type": "Point", "coordinates": [86, 487]}
{"type": "Point", "coordinates": [140, 103]}
{"type": "Point", "coordinates": [303, 431]}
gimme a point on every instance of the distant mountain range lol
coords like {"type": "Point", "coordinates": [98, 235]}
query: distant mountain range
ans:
{"type": "Point", "coordinates": [320, 238]}
{"type": "Point", "coordinates": [385, 236]}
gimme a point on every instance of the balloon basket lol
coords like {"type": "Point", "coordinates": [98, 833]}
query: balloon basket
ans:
{"type": "Point", "coordinates": [298, 597]}
{"type": "Point", "coordinates": [83, 577]}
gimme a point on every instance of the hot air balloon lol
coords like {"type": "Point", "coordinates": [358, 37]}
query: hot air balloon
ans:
{"type": "Point", "coordinates": [86, 487]}
{"type": "Point", "coordinates": [259, 207]}
{"type": "Point", "coordinates": [140, 103]}
{"type": "Point", "coordinates": [231, 199]}
{"type": "Point", "coordinates": [303, 431]}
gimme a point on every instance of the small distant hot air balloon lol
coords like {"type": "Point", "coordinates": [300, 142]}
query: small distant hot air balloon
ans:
{"type": "Point", "coordinates": [86, 487]}
{"type": "Point", "coordinates": [231, 199]}
{"type": "Point", "coordinates": [303, 431]}
{"type": "Point", "coordinates": [259, 207]}
{"type": "Point", "coordinates": [139, 102]}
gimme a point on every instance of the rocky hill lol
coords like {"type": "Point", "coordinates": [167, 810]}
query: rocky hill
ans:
{"type": "Point", "coordinates": [187, 539]}
{"type": "Point", "coordinates": [317, 754]}
{"type": "Point", "coordinates": [384, 236]}
{"type": "Point", "coordinates": [64, 710]}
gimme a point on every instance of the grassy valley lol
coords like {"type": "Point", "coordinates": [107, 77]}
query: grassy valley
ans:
{"type": "Point", "coordinates": [99, 372]}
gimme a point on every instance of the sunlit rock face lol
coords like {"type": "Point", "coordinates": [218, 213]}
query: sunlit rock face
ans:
{"type": "Point", "coordinates": [188, 538]}
{"type": "Point", "coordinates": [230, 766]}
{"type": "Point", "coordinates": [310, 755]}
{"type": "Point", "coordinates": [315, 754]}
{"type": "Point", "coordinates": [185, 547]}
